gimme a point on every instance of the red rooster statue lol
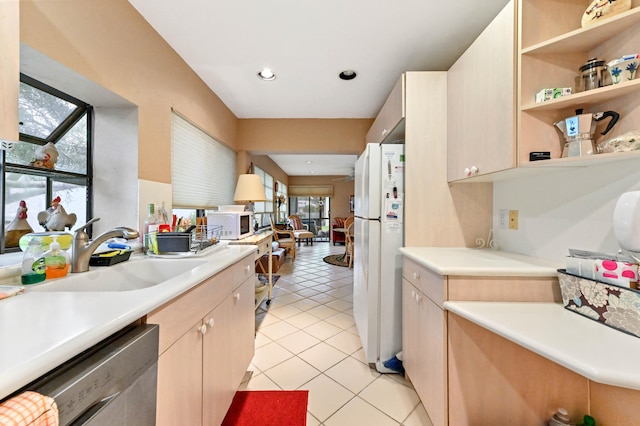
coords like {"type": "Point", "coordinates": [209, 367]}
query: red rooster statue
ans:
{"type": "Point", "coordinates": [18, 227]}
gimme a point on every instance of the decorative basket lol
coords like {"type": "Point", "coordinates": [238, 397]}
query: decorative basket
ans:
{"type": "Point", "coordinates": [614, 306]}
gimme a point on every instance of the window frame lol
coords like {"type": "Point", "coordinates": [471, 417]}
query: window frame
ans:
{"type": "Point", "coordinates": [82, 110]}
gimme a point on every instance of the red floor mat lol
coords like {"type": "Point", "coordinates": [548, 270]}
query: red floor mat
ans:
{"type": "Point", "coordinates": [268, 408]}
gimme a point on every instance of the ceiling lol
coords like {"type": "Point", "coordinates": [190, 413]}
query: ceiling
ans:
{"type": "Point", "coordinates": [307, 44]}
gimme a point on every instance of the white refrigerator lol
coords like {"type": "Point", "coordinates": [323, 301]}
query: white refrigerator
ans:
{"type": "Point", "coordinates": [378, 236]}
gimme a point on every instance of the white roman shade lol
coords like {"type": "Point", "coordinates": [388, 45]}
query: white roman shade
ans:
{"type": "Point", "coordinates": [310, 190]}
{"type": "Point", "coordinates": [203, 170]}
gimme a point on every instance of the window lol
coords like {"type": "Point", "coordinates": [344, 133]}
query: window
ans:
{"type": "Point", "coordinates": [52, 159]}
{"type": "Point", "coordinates": [203, 170]}
{"type": "Point", "coordinates": [262, 210]}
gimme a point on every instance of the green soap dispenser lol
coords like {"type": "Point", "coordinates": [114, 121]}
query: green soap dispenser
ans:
{"type": "Point", "coordinates": [588, 421]}
{"type": "Point", "coordinates": [33, 269]}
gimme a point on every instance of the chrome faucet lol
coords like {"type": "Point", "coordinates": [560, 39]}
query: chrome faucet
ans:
{"type": "Point", "coordinates": [82, 249]}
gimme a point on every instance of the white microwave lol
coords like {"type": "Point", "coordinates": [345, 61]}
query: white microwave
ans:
{"type": "Point", "coordinates": [235, 225]}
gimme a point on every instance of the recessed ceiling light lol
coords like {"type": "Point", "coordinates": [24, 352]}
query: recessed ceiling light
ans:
{"type": "Point", "coordinates": [308, 162]}
{"type": "Point", "coordinates": [347, 75]}
{"type": "Point", "coordinates": [266, 74]}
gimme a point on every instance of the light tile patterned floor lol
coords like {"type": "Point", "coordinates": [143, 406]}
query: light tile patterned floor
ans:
{"type": "Point", "coordinates": [307, 339]}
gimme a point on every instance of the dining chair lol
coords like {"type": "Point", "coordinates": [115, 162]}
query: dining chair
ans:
{"type": "Point", "coordinates": [348, 241]}
{"type": "Point", "coordinates": [285, 239]}
{"type": "Point", "coordinates": [300, 230]}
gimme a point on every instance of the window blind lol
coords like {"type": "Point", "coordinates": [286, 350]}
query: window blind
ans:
{"type": "Point", "coordinates": [310, 190]}
{"type": "Point", "coordinates": [203, 170]}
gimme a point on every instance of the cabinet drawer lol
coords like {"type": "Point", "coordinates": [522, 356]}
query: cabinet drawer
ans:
{"type": "Point", "coordinates": [176, 317]}
{"type": "Point", "coordinates": [242, 270]}
{"type": "Point", "coordinates": [433, 285]}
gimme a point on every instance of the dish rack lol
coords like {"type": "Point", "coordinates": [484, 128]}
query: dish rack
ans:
{"type": "Point", "coordinates": [204, 236]}
{"type": "Point", "coordinates": [195, 239]}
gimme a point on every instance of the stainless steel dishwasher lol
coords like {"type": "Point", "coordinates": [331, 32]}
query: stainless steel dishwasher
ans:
{"type": "Point", "coordinates": [112, 383]}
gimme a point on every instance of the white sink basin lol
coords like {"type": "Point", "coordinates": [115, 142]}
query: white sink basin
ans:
{"type": "Point", "coordinates": [134, 274]}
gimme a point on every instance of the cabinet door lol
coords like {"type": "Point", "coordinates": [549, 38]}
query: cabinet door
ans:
{"type": "Point", "coordinates": [391, 113]}
{"type": "Point", "coordinates": [180, 381]}
{"type": "Point", "coordinates": [424, 350]}
{"type": "Point", "coordinates": [244, 325]}
{"type": "Point", "coordinates": [481, 102]}
{"type": "Point", "coordinates": [217, 357]}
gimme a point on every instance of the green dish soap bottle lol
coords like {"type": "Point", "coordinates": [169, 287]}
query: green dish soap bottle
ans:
{"type": "Point", "coordinates": [33, 269]}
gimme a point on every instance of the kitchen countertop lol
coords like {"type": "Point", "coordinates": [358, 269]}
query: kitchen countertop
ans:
{"type": "Point", "coordinates": [480, 262]}
{"type": "Point", "coordinates": [584, 346]}
{"type": "Point", "coordinates": [41, 330]}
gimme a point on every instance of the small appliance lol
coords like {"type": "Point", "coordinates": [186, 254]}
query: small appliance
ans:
{"type": "Point", "coordinates": [235, 225]}
{"type": "Point", "coordinates": [579, 130]}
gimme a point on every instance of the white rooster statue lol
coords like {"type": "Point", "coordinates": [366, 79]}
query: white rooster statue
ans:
{"type": "Point", "coordinates": [55, 218]}
{"type": "Point", "coordinates": [45, 156]}
{"type": "Point", "coordinates": [18, 227]}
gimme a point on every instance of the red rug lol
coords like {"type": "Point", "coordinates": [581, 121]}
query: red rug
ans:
{"type": "Point", "coordinates": [268, 408]}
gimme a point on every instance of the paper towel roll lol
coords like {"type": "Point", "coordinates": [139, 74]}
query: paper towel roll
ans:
{"type": "Point", "coordinates": [626, 221]}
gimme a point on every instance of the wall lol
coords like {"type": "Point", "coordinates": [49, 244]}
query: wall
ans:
{"type": "Point", "coordinates": [562, 209]}
{"type": "Point", "coordinates": [341, 191]}
{"type": "Point", "coordinates": [290, 136]}
{"type": "Point", "coordinates": [110, 43]}
{"type": "Point", "coordinates": [9, 68]}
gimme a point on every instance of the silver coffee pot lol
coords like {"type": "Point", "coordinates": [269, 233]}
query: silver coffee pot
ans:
{"type": "Point", "coordinates": [579, 130]}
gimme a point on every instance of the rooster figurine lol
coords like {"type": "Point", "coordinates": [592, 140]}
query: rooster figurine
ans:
{"type": "Point", "coordinates": [18, 227]}
{"type": "Point", "coordinates": [45, 156]}
{"type": "Point", "coordinates": [55, 218]}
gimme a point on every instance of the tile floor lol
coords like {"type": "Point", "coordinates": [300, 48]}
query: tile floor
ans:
{"type": "Point", "coordinates": [307, 339]}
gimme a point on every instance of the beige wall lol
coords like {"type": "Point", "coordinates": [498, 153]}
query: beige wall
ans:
{"type": "Point", "coordinates": [315, 136]}
{"type": "Point", "coordinates": [9, 69]}
{"type": "Point", "coordinates": [341, 191]}
{"type": "Point", "coordinates": [111, 44]}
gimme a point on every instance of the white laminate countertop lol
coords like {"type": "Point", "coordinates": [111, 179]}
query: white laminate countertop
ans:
{"type": "Point", "coordinates": [480, 262]}
{"type": "Point", "coordinates": [41, 330]}
{"type": "Point", "coordinates": [584, 346]}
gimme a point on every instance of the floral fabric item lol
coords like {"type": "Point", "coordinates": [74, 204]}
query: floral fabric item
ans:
{"type": "Point", "coordinates": [617, 307]}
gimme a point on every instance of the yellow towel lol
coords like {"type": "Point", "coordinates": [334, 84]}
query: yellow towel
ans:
{"type": "Point", "coordinates": [29, 409]}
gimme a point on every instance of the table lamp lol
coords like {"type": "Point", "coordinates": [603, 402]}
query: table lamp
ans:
{"type": "Point", "coordinates": [249, 189]}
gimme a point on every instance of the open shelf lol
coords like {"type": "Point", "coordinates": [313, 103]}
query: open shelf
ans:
{"type": "Point", "coordinates": [590, 97]}
{"type": "Point", "coordinates": [586, 38]}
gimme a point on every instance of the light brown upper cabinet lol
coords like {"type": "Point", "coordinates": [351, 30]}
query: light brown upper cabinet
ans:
{"type": "Point", "coordinates": [389, 123]}
{"type": "Point", "coordinates": [481, 102]}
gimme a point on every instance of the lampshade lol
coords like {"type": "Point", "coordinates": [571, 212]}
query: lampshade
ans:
{"type": "Point", "coordinates": [249, 188]}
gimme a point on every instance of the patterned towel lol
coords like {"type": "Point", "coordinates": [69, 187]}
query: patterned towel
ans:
{"type": "Point", "coordinates": [29, 409]}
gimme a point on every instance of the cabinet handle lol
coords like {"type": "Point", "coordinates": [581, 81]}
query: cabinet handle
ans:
{"type": "Point", "coordinates": [471, 171]}
{"type": "Point", "coordinates": [418, 297]}
{"type": "Point", "coordinates": [237, 296]}
{"type": "Point", "coordinates": [247, 268]}
{"type": "Point", "coordinates": [211, 322]}
{"type": "Point", "coordinates": [203, 329]}
{"type": "Point", "coordinates": [416, 276]}
{"type": "Point", "coordinates": [413, 294]}
{"type": "Point", "coordinates": [384, 132]}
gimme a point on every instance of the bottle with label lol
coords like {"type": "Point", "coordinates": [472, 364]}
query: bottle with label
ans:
{"type": "Point", "coordinates": [33, 269]}
{"type": "Point", "coordinates": [56, 260]}
{"type": "Point", "coordinates": [150, 230]}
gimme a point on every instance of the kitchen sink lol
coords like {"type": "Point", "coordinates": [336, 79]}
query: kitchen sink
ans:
{"type": "Point", "coordinates": [131, 275]}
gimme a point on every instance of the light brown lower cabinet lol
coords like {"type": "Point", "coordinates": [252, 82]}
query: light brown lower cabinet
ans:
{"type": "Point", "coordinates": [426, 333]}
{"type": "Point", "coordinates": [206, 345]}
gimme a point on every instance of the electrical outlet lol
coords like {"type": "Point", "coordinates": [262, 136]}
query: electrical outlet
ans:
{"type": "Point", "coordinates": [513, 219]}
{"type": "Point", "coordinates": [503, 220]}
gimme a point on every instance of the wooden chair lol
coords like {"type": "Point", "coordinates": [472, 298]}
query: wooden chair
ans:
{"type": "Point", "coordinates": [286, 239]}
{"type": "Point", "coordinates": [300, 230]}
{"type": "Point", "coordinates": [348, 242]}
